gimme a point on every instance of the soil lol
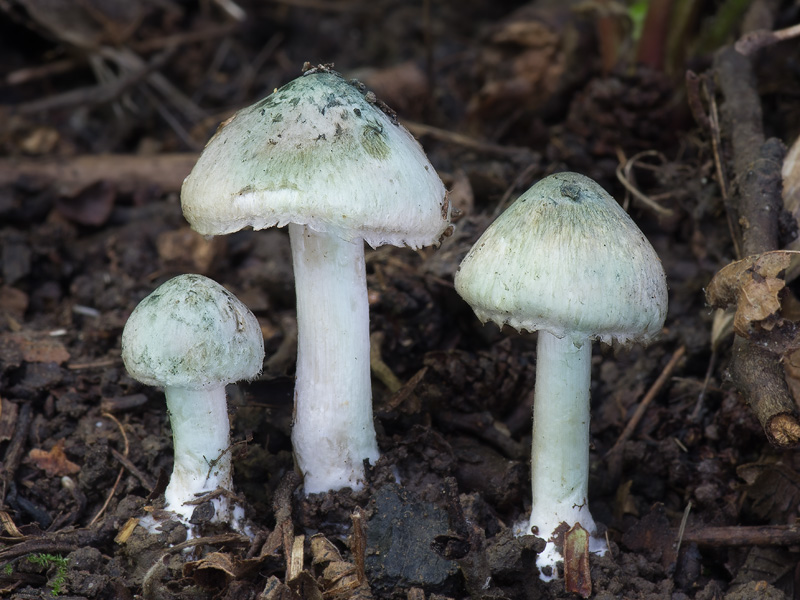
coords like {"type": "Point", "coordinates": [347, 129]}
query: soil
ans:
{"type": "Point", "coordinates": [103, 110]}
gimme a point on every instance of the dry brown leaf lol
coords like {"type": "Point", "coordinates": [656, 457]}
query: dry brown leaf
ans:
{"type": "Point", "coordinates": [126, 530]}
{"type": "Point", "coordinates": [577, 579]}
{"type": "Point", "coordinates": [54, 462]}
{"type": "Point", "coordinates": [340, 579]}
{"type": "Point", "coordinates": [9, 526]}
{"type": "Point", "coordinates": [772, 493]}
{"type": "Point", "coordinates": [276, 590]}
{"type": "Point", "coordinates": [213, 570]}
{"type": "Point", "coordinates": [323, 550]}
{"type": "Point", "coordinates": [39, 350]}
{"type": "Point", "coordinates": [294, 562]}
{"type": "Point", "coordinates": [753, 285]}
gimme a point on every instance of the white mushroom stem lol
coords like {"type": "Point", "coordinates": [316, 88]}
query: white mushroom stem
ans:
{"type": "Point", "coordinates": [560, 449]}
{"type": "Point", "coordinates": [200, 437]}
{"type": "Point", "coordinates": [333, 430]}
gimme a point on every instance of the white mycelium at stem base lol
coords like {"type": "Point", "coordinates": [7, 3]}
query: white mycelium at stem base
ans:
{"type": "Point", "coordinates": [201, 447]}
{"type": "Point", "coordinates": [320, 154]}
{"type": "Point", "coordinates": [564, 260]}
{"type": "Point", "coordinates": [333, 431]}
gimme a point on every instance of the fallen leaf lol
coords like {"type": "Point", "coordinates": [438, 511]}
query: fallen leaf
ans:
{"type": "Point", "coordinates": [772, 493]}
{"type": "Point", "coordinates": [275, 590]}
{"type": "Point", "coordinates": [577, 578]}
{"type": "Point", "coordinates": [753, 285]}
{"type": "Point", "coordinates": [55, 462]}
{"type": "Point", "coordinates": [215, 570]}
{"type": "Point", "coordinates": [39, 350]}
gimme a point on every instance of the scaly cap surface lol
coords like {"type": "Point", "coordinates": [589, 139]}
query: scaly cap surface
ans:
{"type": "Point", "coordinates": [192, 333]}
{"type": "Point", "coordinates": [317, 153]}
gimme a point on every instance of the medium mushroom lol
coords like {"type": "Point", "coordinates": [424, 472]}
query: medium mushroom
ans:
{"type": "Point", "coordinates": [192, 337]}
{"type": "Point", "coordinates": [319, 155]}
{"type": "Point", "coordinates": [565, 260]}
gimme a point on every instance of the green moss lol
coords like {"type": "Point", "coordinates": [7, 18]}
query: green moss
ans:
{"type": "Point", "coordinates": [57, 582]}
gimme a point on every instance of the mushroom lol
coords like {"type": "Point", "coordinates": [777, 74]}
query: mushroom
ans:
{"type": "Point", "coordinates": [192, 337]}
{"type": "Point", "coordinates": [565, 260]}
{"type": "Point", "coordinates": [319, 155]}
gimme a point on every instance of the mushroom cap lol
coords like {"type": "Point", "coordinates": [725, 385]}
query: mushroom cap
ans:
{"type": "Point", "coordinates": [316, 152]}
{"type": "Point", "coordinates": [192, 333]}
{"type": "Point", "coordinates": [567, 259]}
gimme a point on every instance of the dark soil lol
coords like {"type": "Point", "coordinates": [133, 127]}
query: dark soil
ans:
{"type": "Point", "coordinates": [694, 501]}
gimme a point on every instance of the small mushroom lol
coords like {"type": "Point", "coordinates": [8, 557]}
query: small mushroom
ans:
{"type": "Point", "coordinates": [192, 337]}
{"type": "Point", "coordinates": [319, 156]}
{"type": "Point", "coordinates": [565, 260]}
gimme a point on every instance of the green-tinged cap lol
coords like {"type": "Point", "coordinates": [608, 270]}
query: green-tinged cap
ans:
{"type": "Point", "coordinates": [566, 258]}
{"type": "Point", "coordinates": [317, 152]}
{"type": "Point", "coordinates": [192, 333]}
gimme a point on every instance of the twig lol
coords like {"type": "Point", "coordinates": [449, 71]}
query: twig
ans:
{"type": "Point", "coordinates": [64, 65]}
{"type": "Point", "coordinates": [359, 544]}
{"type": "Point", "coordinates": [722, 177]}
{"type": "Point", "coordinates": [121, 469]}
{"type": "Point", "coordinates": [166, 171]}
{"type": "Point", "coordinates": [754, 40]}
{"type": "Point", "coordinates": [759, 376]}
{"type": "Point", "coordinates": [625, 177]}
{"type": "Point", "coordinates": [128, 60]}
{"type": "Point", "coordinates": [682, 528]}
{"type": "Point", "coordinates": [465, 141]}
{"type": "Point", "coordinates": [148, 483]}
{"type": "Point", "coordinates": [523, 175]}
{"type": "Point", "coordinates": [101, 363]}
{"type": "Point", "coordinates": [96, 94]}
{"type": "Point", "coordinates": [755, 371]}
{"type": "Point", "coordinates": [648, 398]}
{"type": "Point", "coordinates": [377, 365]}
{"type": "Point", "coordinates": [756, 535]}
{"type": "Point", "coordinates": [61, 541]}
{"type": "Point", "coordinates": [698, 407]}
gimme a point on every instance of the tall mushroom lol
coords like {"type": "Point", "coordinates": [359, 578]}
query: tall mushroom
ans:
{"type": "Point", "coordinates": [565, 260]}
{"type": "Point", "coordinates": [192, 337]}
{"type": "Point", "coordinates": [320, 156]}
